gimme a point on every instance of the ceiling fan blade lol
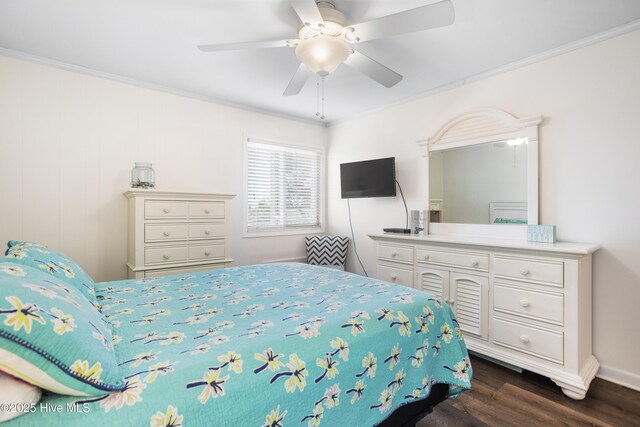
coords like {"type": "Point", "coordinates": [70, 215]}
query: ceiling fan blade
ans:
{"type": "Point", "coordinates": [243, 45]}
{"type": "Point", "coordinates": [373, 69]}
{"type": "Point", "coordinates": [298, 80]}
{"type": "Point", "coordinates": [308, 12]}
{"type": "Point", "coordinates": [421, 18]}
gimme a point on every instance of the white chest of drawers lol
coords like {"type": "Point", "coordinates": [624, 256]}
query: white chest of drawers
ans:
{"type": "Point", "coordinates": [528, 305]}
{"type": "Point", "coordinates": [174, 232]}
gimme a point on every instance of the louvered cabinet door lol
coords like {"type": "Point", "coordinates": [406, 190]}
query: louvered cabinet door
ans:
{"type": "Point", "coordinates": [469, 300]}
{"type": "Point", "coordinates": [433, 281]}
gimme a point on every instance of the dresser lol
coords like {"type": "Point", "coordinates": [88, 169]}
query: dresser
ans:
{"type": "Point", "coordinates": [525, 304]}
{"type": "Point", "coordinates": [175, 232]}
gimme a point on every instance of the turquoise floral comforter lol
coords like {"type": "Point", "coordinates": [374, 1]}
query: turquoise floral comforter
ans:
{"type": "Point", "coordinates": [268, 345]}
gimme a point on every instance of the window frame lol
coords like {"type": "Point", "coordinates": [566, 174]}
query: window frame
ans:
{"type": "Point", "coordinates": [285, 231]}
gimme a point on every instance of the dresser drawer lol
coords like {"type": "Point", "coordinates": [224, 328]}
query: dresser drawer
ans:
{"type": "Point", "coordinates": [206, 209]}
{"type": "Point", "coordinates": [542, 343]}
{"type": "Point", "coordinates": [547, 272]}
{"type": "Point", "coordinates": [165, 232]}
{"type": "Point", "coordinates": [166, 255]}
{"type": "Point", "coordinates": [165, 209]}
{"type": "Point", "coordinates": [401, 254]}
{"type": "Point", "coordinates": [395, 275]}
{"type": "Point", "coordinates": [543, 306]}
{"type": "Point", "coordinates": [206, 252]}
{"type": "Point", "coordinates": [472, 261]}
{"type": "Point", "coordinates": [206, 231]}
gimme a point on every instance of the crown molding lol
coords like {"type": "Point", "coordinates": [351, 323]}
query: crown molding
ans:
{"type": "Point", "coordinates": [566, 48]}
{"type": "Point", "coordinates": [152, 86]}
{"type": "Point", "coordinates": [560, 50]}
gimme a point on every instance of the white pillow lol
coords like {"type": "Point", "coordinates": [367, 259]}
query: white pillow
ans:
{"type": "Point", "coordinates": [16, 397]}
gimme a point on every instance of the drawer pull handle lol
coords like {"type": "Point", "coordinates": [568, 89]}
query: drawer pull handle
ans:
{"type": "Point", "coordinates": [524, 339]}
{"type": "Point", "coordinates": [207, 211]}
{"type": "Point", "coordinates": [394, 254]}
{"type": "Point", "coordinates": [393, 277]}
{"type": "Point", "coordinates": [474, 263]}
{"type": "Point", "coordinates": [426, 257]}
{"type": "Point", "coordinates": [207, 232]}
{"type": "Point", "coordinates": [524, 302]}
{"type": "Point", "coordinates": [207, 252]}
{"type": "Point", "coordinates": [166, 234]}
{"type": "Point", "coordinates": [166, 210]}
{"type": "Point", "coordinates": [166, 256]}
{"type": "Point", "coordinates": [524, 271]}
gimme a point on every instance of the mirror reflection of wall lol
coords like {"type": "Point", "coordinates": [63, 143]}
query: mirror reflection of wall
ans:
{"type": "Point", "coordinates": [469, 178]}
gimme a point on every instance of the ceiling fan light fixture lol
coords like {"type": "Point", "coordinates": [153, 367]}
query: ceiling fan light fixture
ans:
{"type": "Point", "coordinates": [322, 54]}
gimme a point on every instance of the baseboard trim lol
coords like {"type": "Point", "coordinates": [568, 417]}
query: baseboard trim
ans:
{"type": "Point", "coordinates": [620, 377]}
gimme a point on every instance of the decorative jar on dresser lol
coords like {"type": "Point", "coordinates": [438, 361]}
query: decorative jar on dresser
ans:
{"type": "Point", "coordinates": [525, 304]}
{"type": "Point", "coordinates": [175, 232]}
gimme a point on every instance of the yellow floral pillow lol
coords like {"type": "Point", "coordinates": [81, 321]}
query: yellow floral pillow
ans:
{"type": "Point", "coordinates": [51, 336]}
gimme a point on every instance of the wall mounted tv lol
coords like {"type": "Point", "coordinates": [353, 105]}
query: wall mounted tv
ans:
{"type": "Point", "coordinates": [369, 178]}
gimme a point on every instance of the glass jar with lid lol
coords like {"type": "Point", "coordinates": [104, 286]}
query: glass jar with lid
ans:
{"type": "Point", "coordinates": [143, 176]}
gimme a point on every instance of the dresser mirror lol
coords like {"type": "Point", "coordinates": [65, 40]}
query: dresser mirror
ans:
{"type": "Point", "coordinates": [480, 184]}
{"type": "Point", "coordinates": [483, 175]}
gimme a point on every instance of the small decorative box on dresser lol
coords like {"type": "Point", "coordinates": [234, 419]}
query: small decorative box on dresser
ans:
{"type": "Point", "coordinates": [173, 232]}
{"type": "Point", "coordinates": [525, 304]}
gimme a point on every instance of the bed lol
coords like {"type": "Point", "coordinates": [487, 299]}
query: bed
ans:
{"type": "Point", "coordinates": [270, 345]}
{"type": "Point", "coordinates": [508, 212]}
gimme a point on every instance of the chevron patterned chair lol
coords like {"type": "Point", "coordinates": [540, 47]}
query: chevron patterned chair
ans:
{"type": "Point", "coordinates": [327, 251]}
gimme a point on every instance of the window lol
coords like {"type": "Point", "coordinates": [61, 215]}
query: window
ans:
{"type": "Point", "coordinates": [283, 188]}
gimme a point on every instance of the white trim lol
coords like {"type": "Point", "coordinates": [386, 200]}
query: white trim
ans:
{"type": "Point", "coordinates": [566, 48]}
{"type": "Point", "coordinates": [152, 86]}
{"type": "Point", "coordinates": [479, 126]}
{"type": "Point", "coordinates": [560, 50]}
{"type": "Point", "coordinates": [137, 192]}
{"type": "Point", "coordinates": [620, 377]}
{"type": "Point", "coordinates": [300, 147]}
{"type": "Point", "coordinates": [323, 190]}
{"type": "Point", "coordinates": [569, 249]}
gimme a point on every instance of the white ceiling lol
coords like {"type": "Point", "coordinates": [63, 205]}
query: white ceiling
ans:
{"type": "Point", "coordinates": [154, 41]}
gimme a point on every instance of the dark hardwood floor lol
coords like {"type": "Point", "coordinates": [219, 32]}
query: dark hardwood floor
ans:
{"type": "Point", "coordinates": [502, 397]}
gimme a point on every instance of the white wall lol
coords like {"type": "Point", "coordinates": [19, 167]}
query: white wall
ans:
{"type": "Point", "coordinates": [68, 142]}
{"type": "Point", "coordinates": [589, 174]}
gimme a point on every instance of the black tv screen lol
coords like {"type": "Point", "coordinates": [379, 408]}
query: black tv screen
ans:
{"type": "Point", "coordinates": [369, 178]}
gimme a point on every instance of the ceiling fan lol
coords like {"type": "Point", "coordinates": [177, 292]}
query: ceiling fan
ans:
{"type": "Point", "coordinates": [326, 39]}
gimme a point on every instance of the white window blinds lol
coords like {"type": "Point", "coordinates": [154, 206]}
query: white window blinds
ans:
{"type": "Point", "coordinates": [283, 187]}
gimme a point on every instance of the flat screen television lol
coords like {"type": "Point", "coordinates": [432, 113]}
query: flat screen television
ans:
{"type": "Point", "coordinates": [369, 178]}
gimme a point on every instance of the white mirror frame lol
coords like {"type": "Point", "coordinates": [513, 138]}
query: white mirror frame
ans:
{"type": "Point", "coordinates": [478, 127]}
